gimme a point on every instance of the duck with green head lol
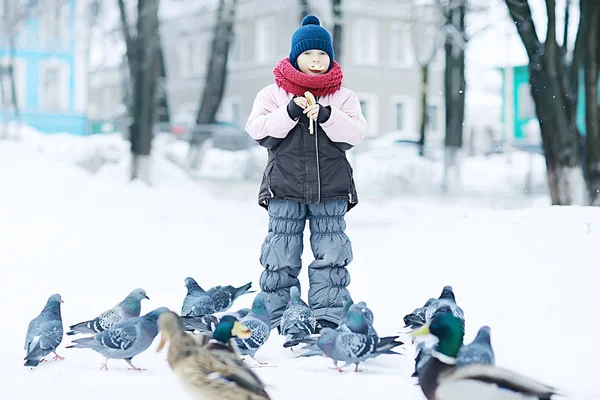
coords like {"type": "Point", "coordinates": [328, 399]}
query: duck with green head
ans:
{"type": "Point", "coordinates": [441, 379]}
{"type": "Point", "coordinates": [210, 368]}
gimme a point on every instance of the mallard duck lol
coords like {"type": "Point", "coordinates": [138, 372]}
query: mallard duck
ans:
{"type": "Point", "coordinates": [441, 379]}
{"type": "Point", "coordinates": [210, 368]}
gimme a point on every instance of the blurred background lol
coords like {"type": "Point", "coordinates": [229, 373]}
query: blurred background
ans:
{"type": "Point", "coordinates": [452, 95]}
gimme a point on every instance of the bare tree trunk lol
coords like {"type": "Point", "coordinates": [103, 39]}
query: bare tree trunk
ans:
{"type": "Point", "coordinates": [13, 85]}
{"type": "Point", "coordinates": [216, 77]}
{"type": "Point", "coordinates": [336, 11]}
{"type": "Point", "coordinates": [423, 126]}
{"type": "Point", "coordinates": [162, 101]}
{"type": "Point", "coordinates": [143, 59]}
{"type": "Point", "coordinates": [560, 137]}
{"type": "Point", "coordinates": [3, 131]}
{"type": "Point", "coordinates": [304, 9]}
{"type": "Point", "coordinates": [454, 87]}
{"type": "Point", "coordinates": [591, 104]}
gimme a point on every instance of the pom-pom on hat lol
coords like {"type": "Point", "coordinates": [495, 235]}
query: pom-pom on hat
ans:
{"type": "Point", "coordinates": [311, 35]}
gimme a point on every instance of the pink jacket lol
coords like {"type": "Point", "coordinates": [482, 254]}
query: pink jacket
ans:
{"type": "Point", "coordinates": [269, 116]}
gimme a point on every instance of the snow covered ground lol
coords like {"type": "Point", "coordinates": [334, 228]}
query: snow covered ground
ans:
{"type": "Point", "coordinates": [531, 273]}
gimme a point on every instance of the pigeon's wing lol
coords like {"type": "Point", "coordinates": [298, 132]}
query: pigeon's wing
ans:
{"type": "Point", "coordinates": [221, 296]}
{"type": "Point", "coordinates": [32, 331]}
{"type": "Point", "coordinates": [306, 320]}
{"type": "Point", "coordinates": [51, 335]}
{"type": "Point", "coordinates": [106, 320]}
{"type": "Point", "coordinates": [121, 337]}
{"type": "Point", "coordinates": [188, 303]}
{"type": "Point", "coordinates": [260, 333]}
{"type": "Point", "coordinates": [354, 345]}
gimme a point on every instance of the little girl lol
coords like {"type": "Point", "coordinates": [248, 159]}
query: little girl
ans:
{"type": "Point", "coordinates": [307, 174]}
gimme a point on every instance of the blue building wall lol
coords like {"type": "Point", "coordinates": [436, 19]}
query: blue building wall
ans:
{"type": "Point", "coordinates": [31, 52]}
{"type": "Point", "coordinates": [521, 82]}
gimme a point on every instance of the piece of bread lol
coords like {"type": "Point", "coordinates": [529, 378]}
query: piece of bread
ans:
{"type": "Point", "coordinates": [310, 99]}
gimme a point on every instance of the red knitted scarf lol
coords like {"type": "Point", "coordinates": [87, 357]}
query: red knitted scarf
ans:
{"type": "Point", "coordinates": [293, 81]}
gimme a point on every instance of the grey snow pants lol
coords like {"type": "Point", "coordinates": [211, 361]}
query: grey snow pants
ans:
{"type": "Point", "coordinates": [281, 255]}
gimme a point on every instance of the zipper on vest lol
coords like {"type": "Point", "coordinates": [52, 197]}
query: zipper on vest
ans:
{"type": "Point", "coordinates": [317, 157]}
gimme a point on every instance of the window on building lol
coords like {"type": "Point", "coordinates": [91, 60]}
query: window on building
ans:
{"type": "Point", "coordinates": [526, 104]}
{"type": "Point", "coordinates": [401, 51]}
{"type": "Point", "coordinates": [368, 105]}
{"type": "Point", "coordinates": [364, 105]}
{"type": "Point", "coordinates": [265, 39]}
{"type": "Point", "coordinates": [365, 41]}
{"type": "Point", "coordinates": [432, 118]}
{"type": "Point", "coordinates": [53, 24]}
{"type": "Point", "coordinates": [234, 50]}
{"type": "Point", "coordinates": [235, 112]}
{"type": "Point", "coordinates": [399, 116]}
{"type": "Point", "coordinates": [53, 86]}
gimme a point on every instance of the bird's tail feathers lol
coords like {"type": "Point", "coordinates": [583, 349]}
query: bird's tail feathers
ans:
{"type": "Point", "coordinates": [293, 338]}
{"type": "Point", "coordinates": [244, 290]}
{"type": "Point", "coordinates": [82, 343]}
{"type": "Point", "coordinates": [81, 327]}
{"type": "Point", "coordinates": [388, 343]}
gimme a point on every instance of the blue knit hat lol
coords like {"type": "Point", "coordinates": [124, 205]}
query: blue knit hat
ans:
{"type": "Point", "coordinates": [311, 35]}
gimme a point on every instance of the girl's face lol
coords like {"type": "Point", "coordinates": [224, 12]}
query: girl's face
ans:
{"type": "Point", "coordinates": [313, 62]}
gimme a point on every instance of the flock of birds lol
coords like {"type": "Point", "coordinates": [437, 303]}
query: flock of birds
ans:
{"type": "Point", "coordinates": [207, 352]}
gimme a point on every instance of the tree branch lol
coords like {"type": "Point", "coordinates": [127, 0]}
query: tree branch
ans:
{"type": "Point", "coordinates": [520, 13]}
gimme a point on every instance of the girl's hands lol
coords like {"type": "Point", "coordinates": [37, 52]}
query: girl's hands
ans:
{"type": "Point", "coordinates": [301, 102]}
{"type": "Point", "coordinates": [312, 111]}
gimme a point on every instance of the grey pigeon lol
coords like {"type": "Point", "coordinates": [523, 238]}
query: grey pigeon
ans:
{"type": "Point", "coordinates": [366, 311]}
{"type": "Point", "coordinates": [479, 351]}
{"type": "Point", "coordinates": [357, 322]}
{"type": "Point", "coordinates": [259, 322]}
{"type": "Point", "coordinates": [416, 319]}
{"type": "Point", "coordinates": [200, 323]}
{"type": "Point", "coordinates": [124, 340]}
{"type": "Point", "coordinates": [350, 347]}
{"type": "Point", "coordinates": [45, 333]}
{"type": "Point", "coordinates": [197, 301]}
{"type": "Point", "coordinates": [241, 313]}
{"type": "Point", "coordinates": [224, 296]}
{"type": "Point", "coordinates": [130, 307]}
{"type": "Point", "coordinates": [446, 298]}
{"type": "Point", "coordinates": [207, 323]}
{"type": "Point", "coordinates": [297, 321]}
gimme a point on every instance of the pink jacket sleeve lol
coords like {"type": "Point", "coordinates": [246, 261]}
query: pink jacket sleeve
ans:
{"type": "Point", "coordinates": [267, 118]}
{"type": "Point", "coordinates": [346, 124]}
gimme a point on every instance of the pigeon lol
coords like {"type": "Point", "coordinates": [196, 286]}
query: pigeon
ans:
{"type": "Point", "coordinates": [200, 323]}
{"type": "Point", "coordinates": [197, 301]}
{"type": "Point", "coordinates": [259, 322]}
{"type": "Point", "coordinates": [358, 322]}
{"type": "Point", "coordinates": [45, 333]}
{"type": "Point", "coordinates": [479, 351]}
{"type": "Point", "coordinates": [124, 340]}
{"type": "Point", "coordinates": [224, 296]}
{"type": "Point", "coordinates": [130, 307]}
{"type": "Point", "coordinates": [297, 321]}
{"type": "Point", "coordinates": [207, 323]}
{"type": "Point", "coordinates": [446, 298]}
{"type": "Point", "coordinates": [366, 310]}
{"type": "Point", "coordinates": [416, 319]}
{"type": "Point", "coordinates": [241, 313]}
{"type": "Point", "coordinates": [350, 347]}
